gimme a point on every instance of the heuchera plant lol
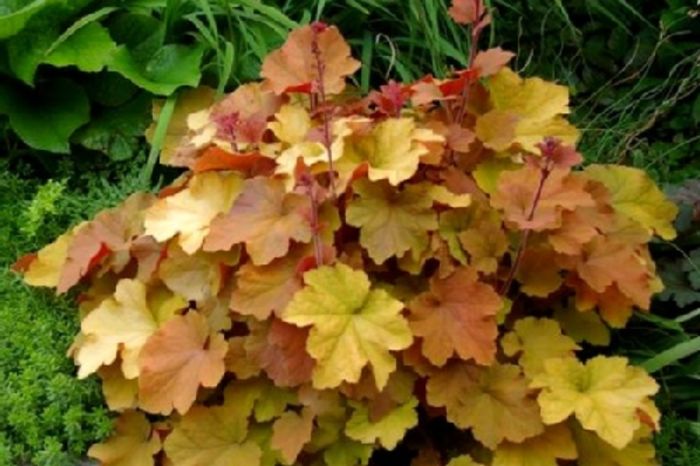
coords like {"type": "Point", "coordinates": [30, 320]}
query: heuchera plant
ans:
{"type": "Point", "coordinates": [416, 270]}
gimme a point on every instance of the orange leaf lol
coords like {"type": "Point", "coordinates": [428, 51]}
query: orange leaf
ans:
{"type": "Point", "coordinates": [281, 352]}
{"type": "Point", "coordinates": [490, 62]}
{"type": "Point", "coordinates": [457, 315]}
{"type": "Point", "coordinates": [465, 11]}
{"type": "Point", "coordinates": [182, 355]}
{"type": "Point", "coordinates": [291, 432]}
{"type": "Point", "coordinates": [215, 158]}
{"type": "Point", "coordinates": [518, 190]}
{"type": "Point", "coordinates": [295, 67]}
{"type": "Point", "coordinates": [265, 218]}
{"type": "Point", "coordinates": [261, 290]}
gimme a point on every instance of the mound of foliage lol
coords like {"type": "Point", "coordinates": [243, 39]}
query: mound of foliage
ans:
{"type": "Point", "coordinates": [417, 276]}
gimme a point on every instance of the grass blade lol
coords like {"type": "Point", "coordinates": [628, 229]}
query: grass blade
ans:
{"type": "Point", "coordinates": [672, 355]}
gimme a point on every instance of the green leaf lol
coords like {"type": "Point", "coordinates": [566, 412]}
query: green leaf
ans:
{"type": "Point", "coordinates": [44, 119]}
{"type": "Point", "coordinates": [672, 355]}
{"type": "Point", "coordinates": [117, 132]}
{"type": "Point", "coordinates": [90, 49]}
{"type": "Point", "coordinates": [171, 67]}
{"type": "Point", "coordinates": [13, 20]}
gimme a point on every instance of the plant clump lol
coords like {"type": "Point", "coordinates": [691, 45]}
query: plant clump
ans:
{"type": "Point", "coordinates": [417, 270]}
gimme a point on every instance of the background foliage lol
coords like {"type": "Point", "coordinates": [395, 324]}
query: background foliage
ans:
{"type": "Point", "coordinates": [631, 64]}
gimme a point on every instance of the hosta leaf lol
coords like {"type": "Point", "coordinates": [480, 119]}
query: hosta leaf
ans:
{"type": "Point", "coordinates": [45, 119]}
{"type": "Point", "coordinates": [492, 401]}
{"type": "Point", "coordinates": [117, 132]}
{"type": "Point", "coordinates": [132, 444]}
{"type": "Point", "coordinates": [635, 195]}
{"type": "Point", "coordinates": [391, 223]}
{"type": "Point", "coordinates": [604, 394]}
{"type": "Point", "coordinates": [171, 67]}
{"type": "Point", "coordinates": [352, 325]}
{"type": "Point", "coordinates": [89, 49]}
{"type": "Point", "coordinates": [457, 315]}
{"type": "Point", "coordinates": [176, 360]}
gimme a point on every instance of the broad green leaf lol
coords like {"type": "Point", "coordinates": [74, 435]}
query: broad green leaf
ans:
{"type": "Point", "coordinates": [15, 15]}
{"type": "Point", "coordinates": [117, 132]}
{"type": "Point", "coordinates": [89, 49]}
{"type": "Point", "coordinates": [171, 67]}
{"type": "Point", "coordinates": [45, 119]}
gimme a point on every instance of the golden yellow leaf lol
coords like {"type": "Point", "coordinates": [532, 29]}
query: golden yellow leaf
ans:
{"type": "Point", "coordinates": [120, 393]}
{"type": "Point", "coordinates": [120, 325]}
{"type": "Point", "coordinates": [45, 269]}
{"type": "Point", "coordinates": [592, 451]}
{"type": "Point", "coordinates": [537, 340]}
{"type": "Point", "coordinates": [352, 325]}
{"type": "Point", "coordinates": [132, 444]}
{"type": "Point", "coordinates": [604, 395]}
{"type": "Point", "coordinates": [391, 223]}
{"type": "Point", "coordinates": [190, 212]}
{"type": "Point", "coordinates": [583, 326]}
{"type": "Point", "coordinates": [635, 195]}
{"type": "Point", "coordinates": [544, 450]}
{"type": "Point", "coordinates": [525, 112]}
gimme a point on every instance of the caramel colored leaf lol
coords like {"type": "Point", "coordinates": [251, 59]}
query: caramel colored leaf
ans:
{"type": "Point", "coordinates": [393, 150]}
{"type": "Point", "coordinates": [539, 273]}
{"type": "Point", "coordinates": [291, 432]}
{"type": "Point", "coordinates": [262, 290]}
{"type": "Point", "coordinates": [457, 315]}
{"type": "Point", "coordinates": [119, 325]}
{"type": "Point", "coordinates": [592, 451]}
{"type": "Point", "coordinates": [537, 340]}
{"type": "Point", "coordinates": [176, 360]}
{"type": "Point", "coordinates": [190, 212]}
{"type": "Point", "coordinates": [544, 450]}
{"type": "Point", "coordinates": [265, 218]}
{"type": "Point", "coordinates": [635, 195]}
{"type": "Point", "coordinates": [120, 393]}
{"type": "Point", "coordinates": [217, 436]}
{"type": "Point", "coordinates": [492, 401]}
{"type": "Point", "coordinates": [583, 326]}
{"type": "Point", "coordinates": [195, 277]}
{"type": "Point", "coordinates": [608, 262]}
{"type": "Point", "coordinates": [295, 65]}
{"type": "Point", "coordinates": [604, 394]}
{"type": "Point", "coordinates": [388, 431]}
{"type": "Point", "coordinates": [391, 222]}
{"type": "Point", "coordinates": [463, 460]}
{"type": "Point", "coordinates": [132, 444]}
{"type": "Point", "coordinates": [352, 325]}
